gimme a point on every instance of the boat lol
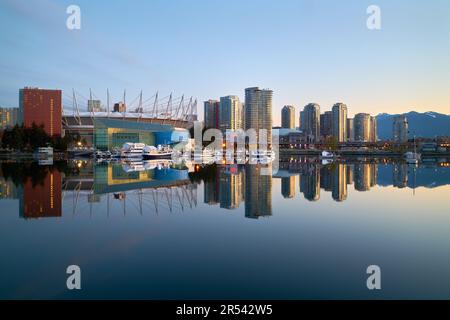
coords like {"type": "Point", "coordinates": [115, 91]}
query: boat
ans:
{"type": "Point", "coordinates": [160, 152]}
{"type": "Point", "coordinates": [412, 157]}
{"type": "Point", "coordinates": [133, 166]}
{"type": "Point", "coordinates": [327, 155]}
{"type": "Point", "coordinates": [45, 151]}
{"type": "Point", "coordinates": [115, 154]}
{"type": "Point", "coordinates": [132, 150]}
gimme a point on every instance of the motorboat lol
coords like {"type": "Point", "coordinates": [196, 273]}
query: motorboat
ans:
{"type": "Point", "coordinates": [160, 152]}
{"type": "Point", "coordinates": [133, 150]}
{"type": "Point", "coordinates": [327, 155]}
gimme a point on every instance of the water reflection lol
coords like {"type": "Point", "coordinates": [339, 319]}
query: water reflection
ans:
{"type": "Point", "coordinates": [41, 190]}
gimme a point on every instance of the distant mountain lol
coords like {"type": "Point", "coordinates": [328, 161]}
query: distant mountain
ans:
{"type": "Point", "coordinates": [427, 125]}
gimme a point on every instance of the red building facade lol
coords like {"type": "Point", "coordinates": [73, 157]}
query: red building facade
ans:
{"type": "Point", "coordinates": [41, 106]}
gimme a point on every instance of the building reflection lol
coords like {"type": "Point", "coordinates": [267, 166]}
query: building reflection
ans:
{"type": "Point", "coordinates": [258, 191]}
{"type": "Point", "coordinates": [232, 184]}
{"type": "Point", "coordinates": [211, 191]}
{"type": "Point", "coordinates": [310, 181]}
{"type": "Point", "coordinates": [42, 200]}
{"type": "Point", "coordinates": [8, 190]}
{"type": "Point", "coordinates": [362, 176]}
{"type": "Point", "coordinates": [288, 187]}
{"type": "Point", "coordinates": [400, 175]}
{"type": "Point", "coordinates": [339, 189]}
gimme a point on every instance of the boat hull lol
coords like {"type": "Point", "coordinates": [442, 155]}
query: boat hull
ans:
{"type": "Point", "coordinates": [158, 156]}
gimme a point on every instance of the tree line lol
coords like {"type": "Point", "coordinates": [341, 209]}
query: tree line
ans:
{"type": "Point", "coordinates": [30, 138]}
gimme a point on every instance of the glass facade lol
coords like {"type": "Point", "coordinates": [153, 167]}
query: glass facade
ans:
{"type": "Point", "coordinates": [112, 133]}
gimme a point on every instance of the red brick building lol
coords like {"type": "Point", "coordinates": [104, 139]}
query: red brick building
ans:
{"type": "Point", "coordinates": [41, 106]}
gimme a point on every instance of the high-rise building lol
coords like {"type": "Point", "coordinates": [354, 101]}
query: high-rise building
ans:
{"type": "Point", "coordinates": [230, 114]}
{"type": "Point", "coordinates": [311, 121]}
{"type": "Point", "coordinates": [120, 107]}
{"type": "Point", "coordinates": [258, 112]}
{"type": "Point", "coordinates": [94, 106]}
{"type": "Point", "coordinates": [362, 127]}
{"type": "Point", "coordinates": [400, 129]}
{"type": "Point", "coordinates": [8, 117]}
{"type": "Point", "coordinates": [288, 117]}
{"type": "Point", "coordinates": [211, 114]}
{"type": "Point", "coordinates": [301, 118]}
{"type": "Point", "coordinates": [326, 124]}
{"type": "Point", "coordinates": [339, 124]}
{"type": "Point", "coordinates": [42, 107]}
{"type": "Point", "coordinates": [350, 129]}
{"type": "Point", "coordinates": [373, 129]}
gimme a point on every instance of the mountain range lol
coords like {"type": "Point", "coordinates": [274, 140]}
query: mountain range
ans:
{"type": "Point", "coordinates": [426, 125]}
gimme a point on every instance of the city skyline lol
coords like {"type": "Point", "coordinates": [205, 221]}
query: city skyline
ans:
{"type": "Point", "coordinates": [377, 64]}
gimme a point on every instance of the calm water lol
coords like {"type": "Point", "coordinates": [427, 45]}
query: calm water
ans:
{"type": "Point", "coordinates": [304, 230]}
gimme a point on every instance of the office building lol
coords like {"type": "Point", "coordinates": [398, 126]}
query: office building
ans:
{"type": "Point", "coordinates": [326, 124]}
{"type": "Point", "coordinates": [230, 114]}
{"type": "Point", "coordinates": [400, 129]}
{"type": "Point", "coordinates": [95, 106]}
{"type": "Point", "coordinates": [211, 114]}
{"type": "Point", "coordinates": [362, 127]}
{"type": "Point", "coordinates": [41, 107]}
{"type": "Point", "coordinates": [8, 117]}
{"type": "Point", "coordinates": [288, 117]}
{"type": "Point", "coordinates": [373, 129]}
{"type": "Point", "coordinates": [120, 107]}
{"type": "Point", "coordinates": [258, 112]}
{"type": "Point", "coordinates": [350, 130]}
{"type": "Point", "coordinates": [339, 123]}
{"type": "Point", "coordinates": [311, 122]}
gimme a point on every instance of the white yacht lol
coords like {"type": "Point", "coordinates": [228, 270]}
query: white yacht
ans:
{"type": "Point", "coordinates": [327, 155]}
{"type": "Point", "coordinates": [160, 152]}
{"type": "Point", "coordinates": [132, 150]}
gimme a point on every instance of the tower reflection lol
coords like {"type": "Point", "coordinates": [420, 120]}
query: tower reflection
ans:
{"type": "Point", "coordinates": [258, 191]}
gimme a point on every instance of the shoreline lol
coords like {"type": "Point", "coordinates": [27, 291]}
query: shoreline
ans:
{"type": "Point", "coordinates": [26, 156]}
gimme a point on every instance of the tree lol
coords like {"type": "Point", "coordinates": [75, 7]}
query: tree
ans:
{"type": "Point", "coordinates": [331, 143]}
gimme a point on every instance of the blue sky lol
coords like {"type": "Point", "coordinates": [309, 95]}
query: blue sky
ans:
{"type": "Point", "coordinates": [306, 51]}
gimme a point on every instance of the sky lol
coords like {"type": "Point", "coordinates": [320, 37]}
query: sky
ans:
{"type": "Point", "coordinates": [305, 51]}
